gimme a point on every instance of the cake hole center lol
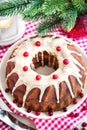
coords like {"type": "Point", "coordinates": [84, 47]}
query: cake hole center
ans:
{"type": "Point", "coordinates": [44, 63]}
{"type": "Point", "coordinates": [46, 70]}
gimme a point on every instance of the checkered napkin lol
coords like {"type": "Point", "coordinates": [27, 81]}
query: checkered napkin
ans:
{"type": "Point", "coordinates": [65, 122]}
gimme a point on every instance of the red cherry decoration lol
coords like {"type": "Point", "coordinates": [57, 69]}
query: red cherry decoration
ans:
{"type": "Point", "coordinates": [28, 110]}
{"type": "Point", "coordinates": [84, 124]}
{"type": "Point", "coordinates": [84, 108]}
{"type": "Point", "coordinates": [55, 76]}
{"type": "Point", "coordinates": [81, 95]}
{"type": "Point", "coordinates": [15, 101]}
{"type": "Point", "coordinates": [25, 54]}
{"type": "Point", "coordinates": [25, 68]}
{"type": "Point", "coordinates": [7, 90]}
{"type": "Point", "coordinates": [71, 114]}
{"type": "Point", "coordinates": [83, 128]}
{"type": "Point", "coordinates": [76, 114]}
{"type": "Point", "coordinates": [65, 109]}
{"type": "Point", "coordinates": [75, 101]}
{"type": "Point", "coordinates": [19, 105]}
{"type": "Point", "coordinates": [37, 113]}
{"type": "Point", "coordinates": [37, 43]}
{"type": "Point", "coordinates": [38, 77]}
{"type": "Point", "coordinates": [75, 128]}
{"type": "Point", "coordinates": [66, 61]}
{"type": "Point", "coordinates": [50, 113]}
{"type": "Point", "coordinates": [58, 48]}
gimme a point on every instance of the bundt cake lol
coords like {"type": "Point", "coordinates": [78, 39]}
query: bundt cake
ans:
{"type": "Point", "coordinates": [38, 91]}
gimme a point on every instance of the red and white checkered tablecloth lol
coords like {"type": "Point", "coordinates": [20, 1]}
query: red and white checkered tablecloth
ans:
{"type": "Point", "coordinates": [65, 122]}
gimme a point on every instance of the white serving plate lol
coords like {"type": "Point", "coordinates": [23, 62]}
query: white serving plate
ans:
{"type": "Point", "coordinates": [22, 110]}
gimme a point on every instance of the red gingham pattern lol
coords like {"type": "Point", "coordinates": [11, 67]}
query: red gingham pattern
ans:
{"type": "Point", "coordinates": [3, 126]}
{"type": "Point", "coordinates": [65, 122]}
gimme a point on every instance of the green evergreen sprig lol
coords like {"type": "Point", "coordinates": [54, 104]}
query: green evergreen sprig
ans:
{"type": "Point", "coordinates": [13, 7]}
{"type": "Point", "coordinates": [51, 12]}
{"type": "Point", "coordinates": [48, 25]}
{"type": "Point", "coordinates": [33, 11]}
{"type": "Point", "coordinates": [79, 5]}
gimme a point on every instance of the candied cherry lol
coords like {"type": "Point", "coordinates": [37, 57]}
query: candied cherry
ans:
{"type": "Point", "coordinates": [50, 113]}
{"type": "Point", "coordinates": [83, 128]}
{"type": "Point", "coordinates": [7, 90]}
{"type": "Point", "coordinates": [65, 109]}
{"type": "Point", "coordinates": [84, 108]}
{"type": "Point", "coordinates": [28, 110]}
{"type": "Point", "coordinates": [76, 114]}
{"type": "Point", "coordinates": [38, 77]}
{"type": "Point", "coordinates": [58, 48]}
{"type": "Point", "coordinates": [75, 128]}
{"type": "Point", "coordinates": [66, 61]}
{"type": "Point", "coordinates": [19, 105]}
{"type": "Point", "coordinates": [25, 54]}
{"type": "Point", "coordinates": [81, 95]}
{"type": "Point", "coordinates": [84, 124]}
{"type": "Point", "coordinates": [71, 114]}
{"type": "Point", "coordinates": [37, 113]}
{"type": "Point", "coordinates": [15, 101]}
{"type": "Point", "coordinates": [37, 43]}
{"type": "Point", "coordinates": [75, 101]}
{"type": "Point", "coordinates": [55, 76]}
{"type": "Point", "coordinates": [25, 68]}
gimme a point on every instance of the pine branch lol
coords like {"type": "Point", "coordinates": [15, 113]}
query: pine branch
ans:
{"type": "Point", "coordinates": [48, 25]}
{"type": "Point", "coordinates": [13, 7]}
{"type": "Point", "coordinates": [80, 6]}
{"type": "Point", "coordinates": [51, 12]}
{"type": "Point", "coordinates": [69, 20]}
{"type": "Point", "coordinates": [52, 6]}
{"type": "Point", "coordinates": [33, 12]}
{"type": "Point", "coordinates": [28, 17]}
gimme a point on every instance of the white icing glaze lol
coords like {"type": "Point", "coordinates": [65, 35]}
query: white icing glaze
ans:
{"type": "Point", "coordinates": [63, 72]}
{"type": "Point", "coordinates": [37, 58]}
